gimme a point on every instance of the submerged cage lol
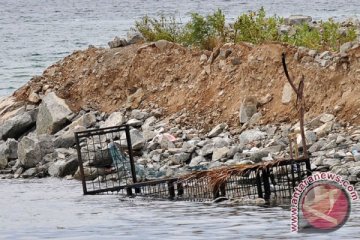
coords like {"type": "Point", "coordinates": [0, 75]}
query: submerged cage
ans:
{"type": "Point", "coordinates": [107, 166]}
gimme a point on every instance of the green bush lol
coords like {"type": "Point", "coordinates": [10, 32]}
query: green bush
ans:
{"type": "Point", "coordinates": [208, 31]}
{"type": "Point", "coordinates": [254, 27]}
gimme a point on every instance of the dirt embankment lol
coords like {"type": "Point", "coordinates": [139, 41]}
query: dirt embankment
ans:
{"type": "Point", "coordinates": [203, 91]}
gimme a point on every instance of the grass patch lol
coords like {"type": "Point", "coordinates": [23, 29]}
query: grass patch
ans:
{"type": "Point", "coordinates": [208, 31]}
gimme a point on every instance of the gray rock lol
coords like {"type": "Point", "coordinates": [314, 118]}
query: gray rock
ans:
{"type": "Point", "coordinates": [326, 117]}
{"type": "Point", "coordinates": [90, 173]}
{"type": "Point", "coordinates": [219, 153]}
{"type": "Point", "coordinates": [165, 143]}
{"type": "Point", "coordinates": [67, 138]}
{"type": "Point", "coordinates": [148, 135]}
{"type": "Point", "coordinates": [317, 146]}
{"type": "Point", "coordinates": [354, 171]}
{"type": "Point", "coordinates": [31, 172]}
{"type": "Point", "coordinates": [17, 125]}
{"type": "Point", "coordinates": [149, 123]}
{"type": "Point", "coordinates": [29, 152]}
{"type": "Point", "coordinates": [345, 47]}
{"type": "Point", "coordinates": [217, 130]}
{"type": "Point", "coordinates": [258, 155]}
{"type": "Point", "coordinates": [135, 38]}
{"type": "Point", "coordinates": [298, 19]}
{"type": "Point", "coordinates": [324, 129]}
{"type": "Point", "coordinates": [330, 162]}
{"type": "Point", "coordinates": [197, 160]}
{"type": "Point", "coordinates": [162, 44]}
{"type": "Point", "coordinates": [62, 168]}
{"type": "Point", "coordinates": [251, 135]}
{"type": "Point", "coordinates": [138, 114]}
{"type": "Point", "coordinates": [134, 123]}
{"type": "Point", "coordinates": [233, 150]}
{"type": "Point", "coordinates": [53, 114]}
{"type": "Point", "coordinates": [115, 119]}
{"type": "Point", "coordinates": [287, 93]}
{"type": "Point", "coordinates": [4, 155]}
{"type": "Point", "coordinates": [207, 150]}
{"type": "Point", "coordinates": [215, 164]}
{"type": "Point", "coordinates": [247, 109]}
{"type": "Point", "coordinates": [221, 142]}
{"type": "Point", "coordinates": [137, 139]}
{"type": "Point", "coordinates": [8, 151]}
{"type": "Point", "coordinates": [32, 149]}
{"type": "Point", "coordinates": [117, 42]}
{"type": "Point", "coordinates": [179, 158]}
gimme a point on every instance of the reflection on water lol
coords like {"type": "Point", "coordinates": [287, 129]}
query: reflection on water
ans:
{"type": "Point", "coordinates": [47, 208]}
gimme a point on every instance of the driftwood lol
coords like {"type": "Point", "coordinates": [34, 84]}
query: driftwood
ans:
{"type": "Point", "coordinates": [300, 103]}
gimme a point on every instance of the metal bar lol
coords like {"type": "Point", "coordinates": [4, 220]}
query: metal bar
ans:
{"type": "Point", "coordinates": [78, 148]}
{"type": "Point", "coordinates": [132, 165]}
{"type": "Point", "coordinates": [265, 179]}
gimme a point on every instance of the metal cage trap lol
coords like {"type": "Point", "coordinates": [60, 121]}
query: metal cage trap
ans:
{"type": "Point", "coordinates": [107, 166]}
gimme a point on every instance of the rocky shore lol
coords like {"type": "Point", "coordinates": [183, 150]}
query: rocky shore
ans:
{"type": "Point", "coordinates": [188, 109]}
{"type": "Point", "coordinates": [38, 141]}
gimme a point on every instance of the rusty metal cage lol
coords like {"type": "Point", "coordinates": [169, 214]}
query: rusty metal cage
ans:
{"type": "Point", "coordinates": [107, 166]}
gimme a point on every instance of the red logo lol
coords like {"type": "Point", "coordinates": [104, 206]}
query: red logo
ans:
{"type": "Point", "coordinates": [325, 206]}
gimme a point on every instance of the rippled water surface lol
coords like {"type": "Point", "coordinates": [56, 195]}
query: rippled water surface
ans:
{"type": "Point", "coordinates": [34, 34]}
{"type": "Point", "coordinates": [53, 208]}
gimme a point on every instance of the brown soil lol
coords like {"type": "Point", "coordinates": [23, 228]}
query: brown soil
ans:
{"type": "Point", "coordinates": [202, 94]}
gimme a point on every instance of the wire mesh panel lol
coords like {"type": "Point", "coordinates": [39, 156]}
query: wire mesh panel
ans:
{"type": "Point", "coordinates": [107, 166]}
{"type": "Point", "coordinates": [105, 159]}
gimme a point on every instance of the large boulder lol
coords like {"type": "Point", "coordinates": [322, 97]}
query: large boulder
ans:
{"type": "Point", "coordinates": [32, 149]}
{"type": "Point", "coordinates": [53, 114]}
{"type": "Point", "coordinates": [62, 168]}
{"type": "Point", "coordinates": [137, 139]}
{"type": "Point", "coordinates": [16, 126]}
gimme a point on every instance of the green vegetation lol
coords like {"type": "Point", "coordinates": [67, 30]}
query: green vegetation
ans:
{"type": "Point", "coordinates": [255, 27]}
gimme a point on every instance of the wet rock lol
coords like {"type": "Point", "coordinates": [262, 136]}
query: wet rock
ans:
{"type": "Point", "coordinates": [53, 114]}
{"type": "Point", "coordinates": [62, 168]}
{"type": "Point", "coordinates": [251, 135]}
{"type": "Point", "coordinates": [247, 109]}
{"type": "Point", "coordinates": [117, 42]}
{"type": "Point", "coordinates": [17, 125]}
{"type": "Point", "coordinates": [115, 119]}
{"type": "Point", "coordinates": [219, 153]}
{"type": "Point", "coordinates": [287, 93]}
{"type": "Point", "coordinates": [217, 130]}
{"type": "Point", "coordinates": [89, 173]}
{"type": "Point", "coordinates": [31, 172]}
